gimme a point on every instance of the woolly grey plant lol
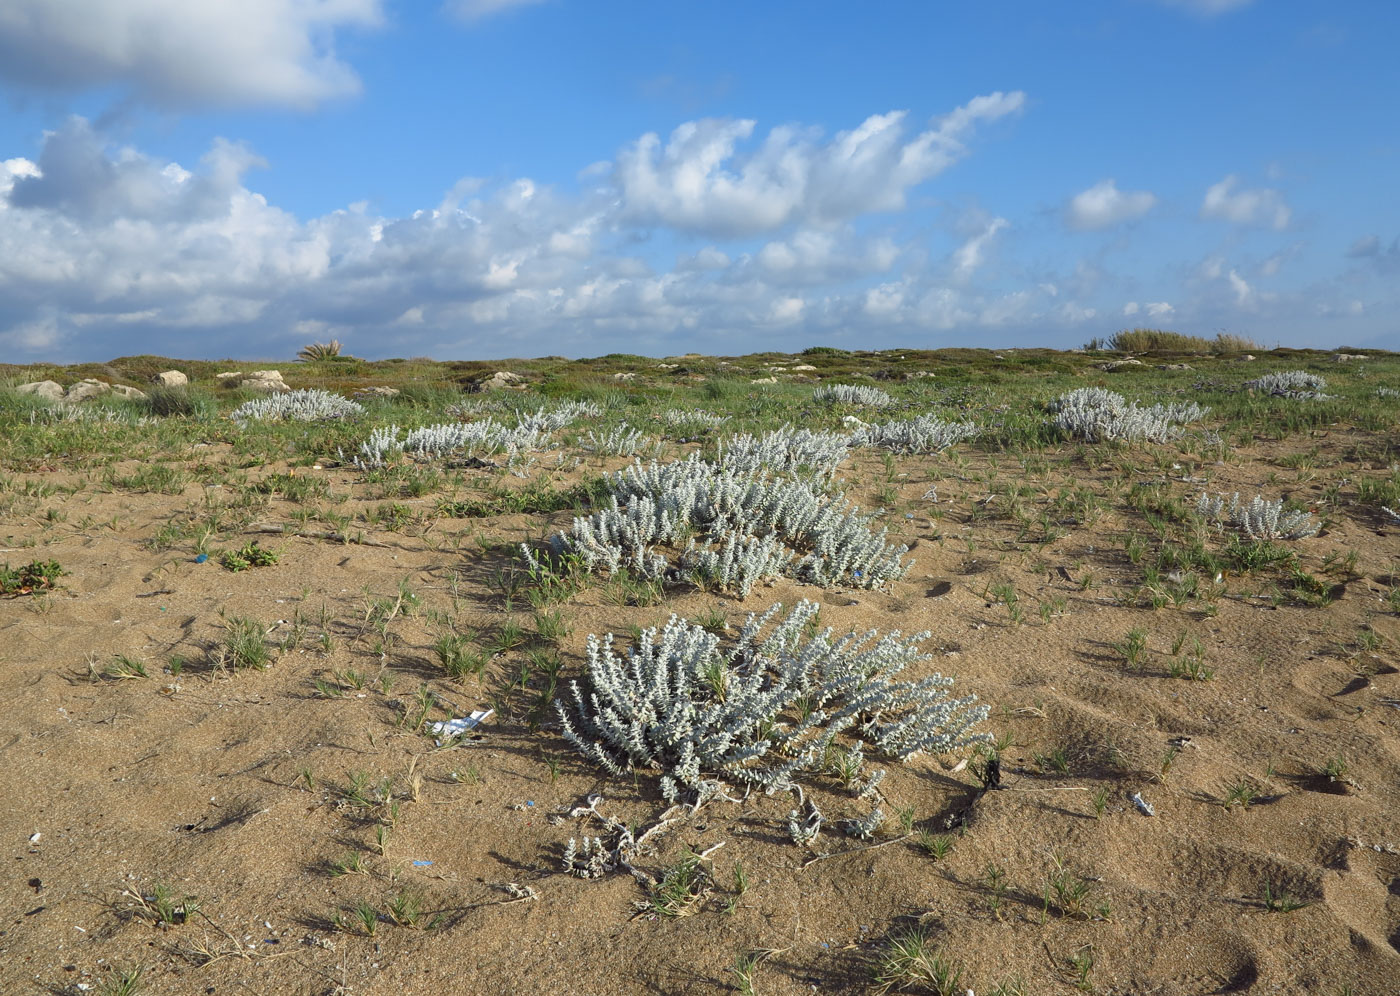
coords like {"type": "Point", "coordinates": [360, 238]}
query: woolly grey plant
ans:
{"type": "Point", "coordinates": [867, 826]}
{"type": "Point", "coordinates": [786, 450]}
{"type": "Point", "coordinates": [692, 423]}
{"type": "Point", "coordinates": [552, 419]}
{"type": "Point", "coordinates": [851, 394]}
{"type": "Point", "coordinates": [922, 434]}
{"type": "Point", "coordinates": [761, 710]}
{"type": "Point", "coordinates": [744, 514]}
{"type": "Point", "coordinates": [803, 829]}
{"type": "Point", "coordinates": [1298, 385]}
{"type": "Point", "coordinates": [459, 440]}
{"type": "Point", "coordinates": [1097, 415]}
{"type": "Point", "coordinates": [1261, 519]}
{"type": "Point", "coordinates": [736, 563]}
{"type": "Point", "coordinates": [587, 860]}
{"type": "Point", "coordinates": [622, 440]}
{"type": "Point", "coordinates": [304, 405]}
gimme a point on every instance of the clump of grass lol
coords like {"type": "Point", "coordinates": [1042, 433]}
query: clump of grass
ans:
{"type": "Point", "coordinates": [123, 667]}
{"type": "Point", "coordinates": [1142, 340]}
{"type": "Point", "coordinates": [1278, 900]}
{"type": "Point", "coordinates": [245, 644]}
{"type": "Point", "coordinates": [457, 657]}
{"type": "Point", "coordinates": [682, 888]}
{"type": "Point", "coordinates": [910, 961]}
{"type": "Point", "coordinates": [123, 982]}
{"type": "Point", "coordinates": [935, 845]}
{"type": "Point", "coordinates": [161, 908]}
{"type": "Point", "coordinates": [1241, 794]}
{"type": "Point", "coordinates": [1133, 647]}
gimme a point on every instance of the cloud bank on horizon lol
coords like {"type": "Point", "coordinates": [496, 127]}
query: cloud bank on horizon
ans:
{"type": "Point", "coordinates": [168, 179]}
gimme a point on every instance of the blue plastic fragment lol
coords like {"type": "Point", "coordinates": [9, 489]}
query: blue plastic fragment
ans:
{"type": "Point", "coordinates": [421, 864]}
{"type": "Point", "coordinates": [201, 558]}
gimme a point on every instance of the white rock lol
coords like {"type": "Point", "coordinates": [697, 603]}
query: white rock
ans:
{"type": "Point", "coordinates": [170, 378]}
{"type": "Point", "coordinates": [47, 389]}
{"type": "Point", "coordinates": [85, 390]}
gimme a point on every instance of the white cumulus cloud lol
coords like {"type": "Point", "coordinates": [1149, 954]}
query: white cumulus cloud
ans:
{"type": "Point", "coordinates": [969, 256]}
{"type": "Point", "coordinates": [699, 180]}
{"type": "Point", "coordinates": [1262, 206]}
{"type": "Point", "coordinates": [181, 53]}
{"type": "Point", "coordinates": [1103, 205]}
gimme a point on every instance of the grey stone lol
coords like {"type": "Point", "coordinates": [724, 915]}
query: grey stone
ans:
{"type": "Point", "coordinates": [85, 390]}
{"type": "Point", "coordinates": [47, 389]}
{"type": "Point", "coordinates": [269, 381]}
{"type": "Point", "coordinates": [497, 381]}
{"type": "Point", "coordinates": [170, 378]}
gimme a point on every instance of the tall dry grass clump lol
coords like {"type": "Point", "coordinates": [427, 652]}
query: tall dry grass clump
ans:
{"type": "Point", "coordinates": [1159, 340]}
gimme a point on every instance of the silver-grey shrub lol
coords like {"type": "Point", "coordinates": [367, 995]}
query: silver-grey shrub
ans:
{"type": "Point", "coordinates": [1097, 415]}
{"type": "Point", "coordinates": [447, 440]}
{"type": "Point", "coordinates": [690, 423]}
{"type": "Point", "coordinates": [759, 711]}
{"type": "Point", "coordinates": [551, 419]}
{"type": "Point", "coordinates": [922, 434]}
{"type": "Point", "coordinates": [1260, 519]}
{"type": "Point", "coordinates": [851, 394]}
{"type": "Point", "coordinates": [621, 440]}
{"type": "Point", "coordinates": [1296, 384]}
{"type": "Point", "coordinates": [787, 451]}
{"type": "Point", "coordinates": [829, 542]}
{"type": "Point", "coordinates": [304, 405]}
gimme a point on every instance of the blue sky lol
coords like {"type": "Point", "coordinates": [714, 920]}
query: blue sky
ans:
{"type": "Point", "coordinates": [494, 178]}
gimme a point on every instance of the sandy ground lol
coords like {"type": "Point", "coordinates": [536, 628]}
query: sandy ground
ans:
{"type": "Point", "coordinates": [229, 785]}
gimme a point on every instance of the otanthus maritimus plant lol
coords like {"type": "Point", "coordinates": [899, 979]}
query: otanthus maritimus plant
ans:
{"type": "Point", "coordinates": [1096, 415]}
{"type": "Point", "coordinates": [1296, 384]}
{"type": "Point", "coordinates": [661, 707]}
{"type": "Point", "coordinates": [1261, 519]}
{"type": "Point", "coordinates": [307, 405]}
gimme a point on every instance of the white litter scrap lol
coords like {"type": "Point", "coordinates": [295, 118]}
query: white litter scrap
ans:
{"type": "Point", "coordinates": [449, 728]}
{"type": "Point", "coordinates": [1144, 807]}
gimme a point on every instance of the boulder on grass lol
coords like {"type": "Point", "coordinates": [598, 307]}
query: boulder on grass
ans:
{"type": "Point", "coordinates": [501, 379]}
{"type": "Point", "coordinates": [86, 390]}
{"type": "Point", "coordinates": [1113, 365]}
{"type": "Point", "coordinates": [170, 378]}
{"type": "Point", "coordinates": [267, 381]}
{"type": "Point", "coordinates": [127, 392]}
{"type": "Point", "coordinates": [47, 389]}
